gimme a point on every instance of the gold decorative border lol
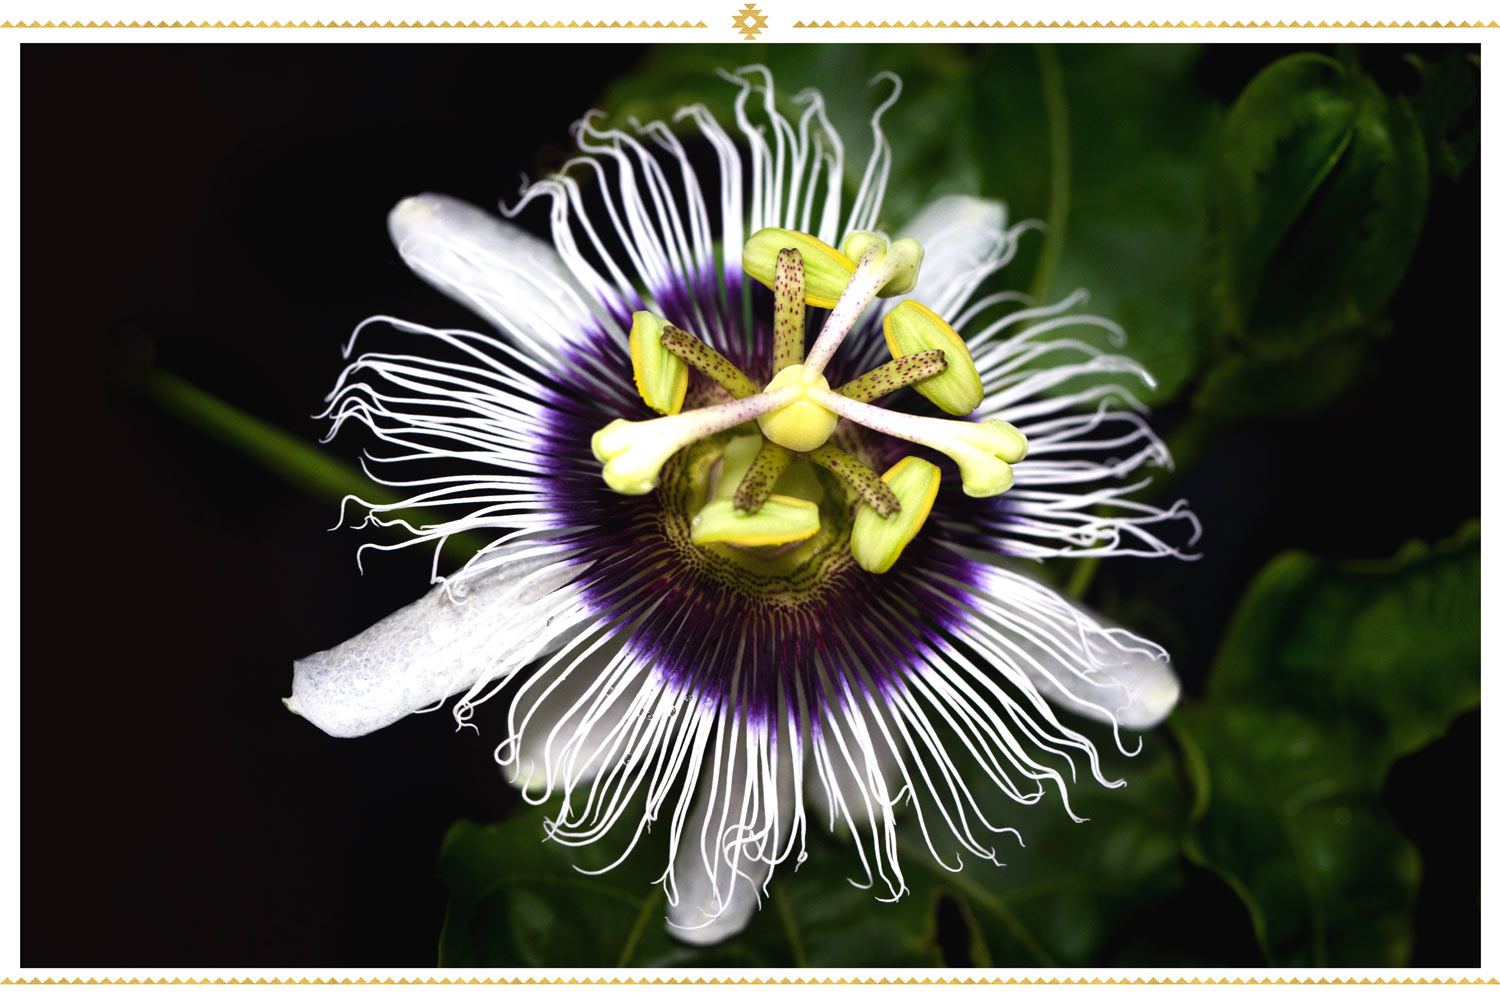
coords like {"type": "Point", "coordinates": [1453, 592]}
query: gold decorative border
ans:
{"type": "Point", "coordinates": [638, 25]}
{"type": "Point", "coordinates": [605, 980]}
{"type": "Point", "coordinates": [1145, 24]}
{"type": "Point", "coordinates": [355, 24]}
{"type": "Point", "coordinates": [788, 980]}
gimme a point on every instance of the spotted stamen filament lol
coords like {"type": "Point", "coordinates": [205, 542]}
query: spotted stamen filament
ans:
{"type": "Point", "coordinates": [709, 361]}
{"type": "Point", "coordinates": [866, 482]}
{"type": "Point", "coordinates": [760, 480]}
{"type": "Point", "coordinates": [904, 371]}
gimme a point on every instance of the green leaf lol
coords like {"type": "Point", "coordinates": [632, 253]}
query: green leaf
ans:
{"type": "Point", "coordinates": [1329, 673]}
{"type": "Point", "coordinates": [1450, 86]}
{"type": "Point", "coordinates": [1244, 387]}
{"type": "Point", "coordinates": [1319, 197]}
{"type": "Point", "coordinates": [1142, 140]}
{"type": "Point", "coordinates": [517, 901]}
{"type": "Point", "coordinates": [1391, 645]}
{"type": "Point", "coordinates": [1079, 894]}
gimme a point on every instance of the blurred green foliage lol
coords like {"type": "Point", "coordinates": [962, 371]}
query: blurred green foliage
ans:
{"type": "Point", "coordinates": [1328, 674]}
{"type": "Point", "coordinates": [518, 900]}
{"type": "Point", "coordinates": [1320, 191]}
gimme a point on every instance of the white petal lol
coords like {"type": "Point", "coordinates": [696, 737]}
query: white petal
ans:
{"type": "Point", "coordinates": [513, 279]}
{"type": "Point", "coordinates": [723, 858]}
{"type": "Point", "coordinates": [962, 239]}
{"type": "Point", "coordinates": [1071, 656]}
{"type": "Point", "coordinates": [1139, 689]}
{"type": "Point", "coordinates": [1079, 661]}
{"type": "Point", "coordinates": [866, 782]}
{"type": "Point", "coordinates": [699, 917]}
{"type": "Point", "coordinates": [562, 735]}
{"type": "Point", "coordinates": [429, 650]}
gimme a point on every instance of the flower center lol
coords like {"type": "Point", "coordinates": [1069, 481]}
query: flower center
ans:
{"type": "Point", "coordinates": [697, 485]}
{"type": "Point", "coordinates": [764, 501]}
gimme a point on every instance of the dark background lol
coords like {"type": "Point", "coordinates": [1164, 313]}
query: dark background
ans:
{"type": "Point", "coordinates": [219, 210]}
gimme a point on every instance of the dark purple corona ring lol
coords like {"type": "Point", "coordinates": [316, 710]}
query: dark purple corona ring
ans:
{"type": "Point", "coordinates": [706, 617]}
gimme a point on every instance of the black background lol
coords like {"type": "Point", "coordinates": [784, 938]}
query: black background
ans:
{"type": "Point", "coordinates": [221, 209]}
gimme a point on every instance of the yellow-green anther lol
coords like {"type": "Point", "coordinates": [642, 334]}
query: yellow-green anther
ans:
{"type": "Point", "coordinates": [898, 373]}
{"type": "Point", "coordinates": [866, 482]}
{"type": "Point", "coordinates": [660, 377]}
{"type": "Point", "coordinates": [707, 360]}
{"type": "Point", "coordinates": [857, 243]}
{"type": "Point", "coordinates": [903, 257]}
{"type": "Point", "coordinates": [781, 519]}
{"type": "Point", "coordinates": [757, 482]}
{"type": "Point", "coordinates": [877, 542]}
{"type": "Point", "coordinates": [910, 329]}
{"type": "Point", "coordinates": [825, 270]}
{"type": "Point", "coordinates": [791, 313]}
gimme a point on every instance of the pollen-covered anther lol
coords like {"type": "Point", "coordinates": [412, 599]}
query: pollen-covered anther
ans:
{"type": "Point", "coordinates": [912, 329]}
{"type": "Point", "coordinates": [802, 425]}
{"type": "Point", "coordinates": [878, 541]}
{"type": "Point", "coordinates": [780, 520]}
{"type": "Point", "coordinates": [826, 270]}
{"type": "Point", "coordinates": [660, 377]}
{"type": "Point", "coordinates": [633, 452]}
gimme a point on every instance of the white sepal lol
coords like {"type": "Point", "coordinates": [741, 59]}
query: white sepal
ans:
{"type": "Point", "coordinates": [738, 830]}
{"type": "Point", "coordinates": [510, 277]}
{"type": "Point", "coordinates": [1078, 660]}
{"type": "Point", "coordinates": [454, 639]}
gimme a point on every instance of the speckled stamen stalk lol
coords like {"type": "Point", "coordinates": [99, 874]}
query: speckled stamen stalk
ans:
{"type": "Point", "coordinates": [866, 482]}
{"type": "Point", "coordinates": [709, 361]}
{"type": "Point", "coordinates": [898, 373]}
{"type": "Point", "coordinates": [791, 310]}
{"type": "Point", "coordinates": [767, 467]}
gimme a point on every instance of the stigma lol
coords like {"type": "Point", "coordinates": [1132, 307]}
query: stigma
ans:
{"type": "Point", "coordinates": [804, 424]}
{"type": "Point", "coordinates": [796, 417]}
